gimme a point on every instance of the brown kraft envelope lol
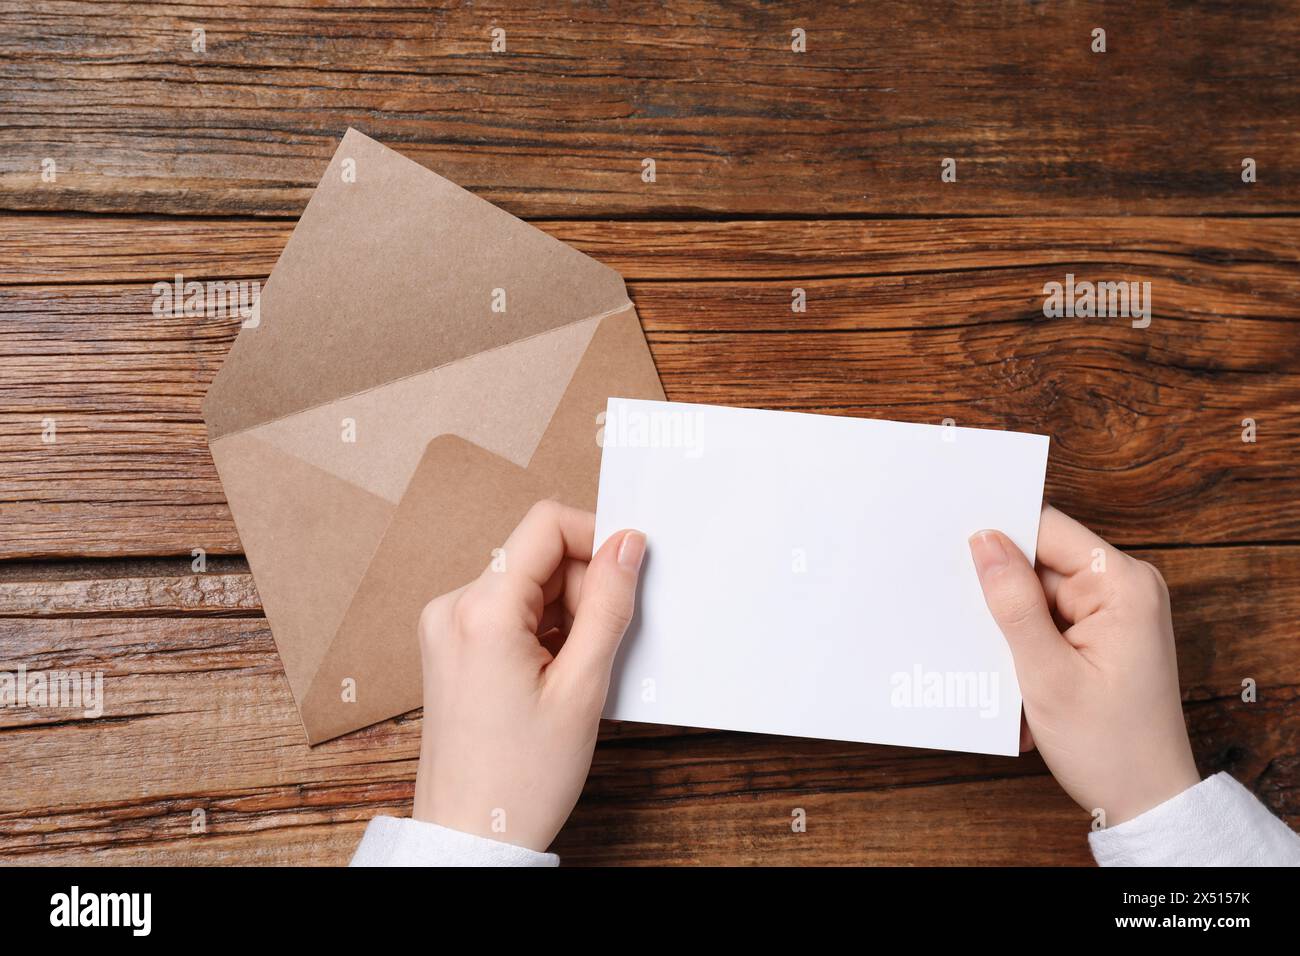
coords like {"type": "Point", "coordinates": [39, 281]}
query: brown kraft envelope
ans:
{"type": "Point", "coordinates": [422, 366]}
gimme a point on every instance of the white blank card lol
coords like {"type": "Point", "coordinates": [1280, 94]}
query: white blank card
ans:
{"type": "Point", "coordinates": [809, 575]}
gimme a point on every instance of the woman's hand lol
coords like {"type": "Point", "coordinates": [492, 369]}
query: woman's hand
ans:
{"type": "Point", "coordinates": [516, 669]}
{"type": "Point", "coordinates": [1093, 643]}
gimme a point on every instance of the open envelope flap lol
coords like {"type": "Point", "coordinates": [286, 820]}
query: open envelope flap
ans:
{"type": "Point", "coordinates": [461, 503]}
{"type": "Point", "coordinates": [393, 271]}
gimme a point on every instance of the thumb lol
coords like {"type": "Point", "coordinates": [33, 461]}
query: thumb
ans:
{"type": "Point", "coordinates": [1015, 598]}
{"type": "Point", "coordinates": [605, 607]}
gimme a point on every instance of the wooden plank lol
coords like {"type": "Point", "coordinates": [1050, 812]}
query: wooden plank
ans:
{"type": "Point", "coordinates": [1146, 422]}
{"type": "Point", "coordinates": [558, 125]}
{"type": "Point", "coordinates": [198, 716]}
{"type": "Point", "coordinates": [136, 588]}
{"type": "Point", "coordinates": [1261, 254]}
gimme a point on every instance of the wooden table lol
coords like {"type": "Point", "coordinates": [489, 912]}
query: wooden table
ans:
{"type": "Point", "coordinates": [774, 170]}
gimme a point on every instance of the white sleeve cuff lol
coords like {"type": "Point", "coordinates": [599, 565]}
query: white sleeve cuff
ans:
{"type": "Point", "coordinates": [389, 841]}
{"type": "Point", "coordinates": [1218, 822]}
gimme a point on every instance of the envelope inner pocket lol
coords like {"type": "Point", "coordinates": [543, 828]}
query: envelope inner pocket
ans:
{"type": "Point", "coordinates": [501, 399]}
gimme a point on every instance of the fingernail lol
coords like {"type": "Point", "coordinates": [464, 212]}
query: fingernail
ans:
{"type": "Point", "coordinates": [632, 550]}
{"type": "Point", "coordinates": [988, 551]}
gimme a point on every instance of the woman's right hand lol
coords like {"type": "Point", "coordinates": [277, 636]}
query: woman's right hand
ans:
{"type": "Point", "coordinates": [1093, 643]}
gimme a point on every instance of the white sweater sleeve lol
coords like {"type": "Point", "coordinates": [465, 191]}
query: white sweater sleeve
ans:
{"type": "Point", "coordinates": [1218, 822]}
{"type": "Point", "coordinates": [389, 841]}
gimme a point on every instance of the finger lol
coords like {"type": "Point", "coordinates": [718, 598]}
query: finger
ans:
{"type": "Point", "coordinates": [564, 583]}
{"type": "Point", "coordinates": [561, 593]}
{"type": "Point", "coordinates": [1015, 598]}
{"type": "Point", "coordinates": [548, 534]}
{"type": "Point", "coordinates": [1066, 546]}
{"type": "Point", "coordinates": [574, 575]}
{"type": "Point", "coordinates": [1071, 599]}
{"type": "Point", "coordinates": [604, 610]}
{"type": "Point", "coordinates": [1053, 582]}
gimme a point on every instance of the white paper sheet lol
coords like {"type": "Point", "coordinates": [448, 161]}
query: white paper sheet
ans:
{"type": "Point", "coordinates": [809, 575]}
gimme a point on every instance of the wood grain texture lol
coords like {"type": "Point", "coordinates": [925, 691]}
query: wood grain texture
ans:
{"type": "Point", "coordinates": [906, 320]}
{"type": "Point", "coordinates": [39, 249]}
{"type": "Point", "coordinates": [559, 123]}
{"type": "Point", "coordinates": [198, 716]}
